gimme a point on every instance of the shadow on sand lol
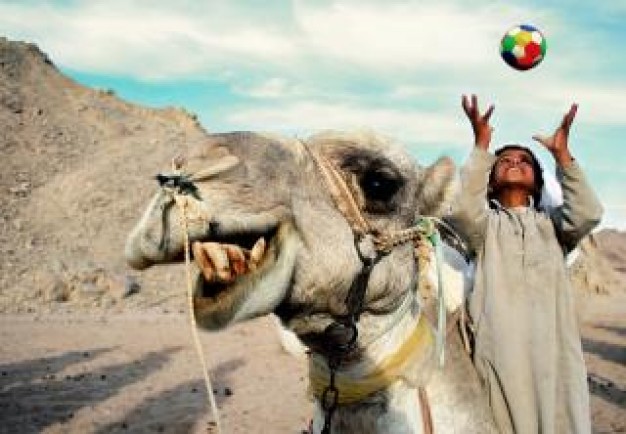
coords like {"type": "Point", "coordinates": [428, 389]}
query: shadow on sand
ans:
{"type": "Point", "coordinates": [185, 404]}
{"type": "Point", "coordinates": [34, 395]}
{"type": "Point", "coordinates": [600, 386]}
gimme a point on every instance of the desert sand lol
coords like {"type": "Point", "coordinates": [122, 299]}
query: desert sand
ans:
{"type": "Point", "coordinates": [138, 372]}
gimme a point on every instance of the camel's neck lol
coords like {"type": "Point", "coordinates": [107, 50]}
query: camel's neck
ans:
{"type": "Point", "coordinates": [396, 410]}
{"type": "Point", "coordinates": [378, 391]}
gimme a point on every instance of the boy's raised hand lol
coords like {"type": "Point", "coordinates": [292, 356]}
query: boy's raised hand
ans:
{"type": "Point", "coordinates": [480, 123]}
{"type": "Point", "coordinates": [557, 143]}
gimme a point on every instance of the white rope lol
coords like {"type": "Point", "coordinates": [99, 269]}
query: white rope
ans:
{"type": "Point", "coordinates": [181, 201]}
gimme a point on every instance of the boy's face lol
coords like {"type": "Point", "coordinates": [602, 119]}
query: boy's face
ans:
{"type": "Point", "coordinates": [514, 168]}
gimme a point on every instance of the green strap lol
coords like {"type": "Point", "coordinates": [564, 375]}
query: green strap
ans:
{"type": "Point", "coordinates": [430, 232]}
{"type": "Point", "coordinates": [441, 307]}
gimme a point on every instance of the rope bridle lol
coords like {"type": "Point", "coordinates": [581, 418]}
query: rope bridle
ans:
{"type": "Point", "coordinates": [340, 337]}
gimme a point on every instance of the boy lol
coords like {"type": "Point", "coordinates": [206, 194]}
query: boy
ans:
{"type": "Point", "coordinates": [527, 344]}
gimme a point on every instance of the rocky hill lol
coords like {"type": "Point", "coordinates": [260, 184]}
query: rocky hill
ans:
{"type": "Point", "coordinates": [601, 265]}
{"type": "Point", "coordinates": [78, 169]}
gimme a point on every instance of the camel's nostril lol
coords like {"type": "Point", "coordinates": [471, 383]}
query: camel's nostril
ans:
{"type": "Point", "coordinates": [161, 179]}
{"type": "Point", "coordinates": [179, 182]}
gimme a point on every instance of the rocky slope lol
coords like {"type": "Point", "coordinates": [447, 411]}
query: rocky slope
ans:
{"type": "Point", "coordinates": [78, 166]}
{"type": "Point", "coordinates": [600, 267]}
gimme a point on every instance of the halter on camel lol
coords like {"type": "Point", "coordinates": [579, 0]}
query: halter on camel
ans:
{"type": "Point", "coordinates": [341, 335]}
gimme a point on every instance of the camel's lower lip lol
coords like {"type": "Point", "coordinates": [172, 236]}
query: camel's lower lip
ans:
{"type": "Point", "coordinates": [210, 290]}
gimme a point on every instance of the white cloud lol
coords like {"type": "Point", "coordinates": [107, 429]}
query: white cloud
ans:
{"type": "Point", "coordinates": [545, 98]}
{"type": "Point", "coordinates": [600, 103]}
{"type": "Point", "coordinates": [143, 40]}
{"type": "Point", "coordinates": [411, 91]}
{"type": "Point", "coordinates": [160, 39]}
{"type": "Point", "coordinates": [413, 126]}
{"type": "Point", "coordinates": [407, 35]}
{"type": "Point", "coordinates": [273, 88]}
{"type": "Point", "coordinates": [614, 217]}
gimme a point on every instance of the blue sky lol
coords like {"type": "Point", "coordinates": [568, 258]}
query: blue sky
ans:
{"type": "Point", "coordinates": [397, 67]}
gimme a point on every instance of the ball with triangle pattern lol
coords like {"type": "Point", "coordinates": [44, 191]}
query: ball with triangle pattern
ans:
{"type": "Point", "coordinates": [523, 47]}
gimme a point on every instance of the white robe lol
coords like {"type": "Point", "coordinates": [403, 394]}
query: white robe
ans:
{"type": "Point", "coordinates": [527, 342]}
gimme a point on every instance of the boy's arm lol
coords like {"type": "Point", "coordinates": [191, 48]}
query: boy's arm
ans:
{"type": "Point", "coordinates": [469, 212]}
{"type": "Point", "coordinates": [581, 210]}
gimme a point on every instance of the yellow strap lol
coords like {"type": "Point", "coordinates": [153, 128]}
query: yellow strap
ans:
{"type": "Point", "coordinates": [388, 371]}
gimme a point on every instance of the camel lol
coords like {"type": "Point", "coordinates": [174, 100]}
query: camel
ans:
{"type": "Point", "coordinates": [271, 232]}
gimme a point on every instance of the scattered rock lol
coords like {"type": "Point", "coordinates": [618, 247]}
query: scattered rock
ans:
{"type": "Point", "coordinates": [20, 190]}
{"type": "Point", "coordinates": [18, 224]}
{"type": "Point", "coordinates": [56, 291]}
{"type": "Point", "coordinates": [131, 286]}
{"type": "Point", "coordinates": [121, 286]}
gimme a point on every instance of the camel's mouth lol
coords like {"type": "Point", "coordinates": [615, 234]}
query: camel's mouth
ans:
{"type": "Point", "coordinates": [243, 272]}
{"type": "Point", "coordinates": [228, 262]}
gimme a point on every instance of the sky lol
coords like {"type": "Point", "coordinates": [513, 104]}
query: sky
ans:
{"type": "Point", "coordinates": [396, 67]}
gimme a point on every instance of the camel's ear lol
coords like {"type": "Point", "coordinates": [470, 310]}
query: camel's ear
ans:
{"type": "Point", "coordinates": [436, 187]}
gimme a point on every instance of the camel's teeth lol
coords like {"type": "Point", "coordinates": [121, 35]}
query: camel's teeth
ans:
{"type": "Point", "coordinates": [203, 261]}
{"type": "Point", "coordinates": [237, 257]}
{"type": "Point", "coordinates": [219, 258]}
{"type": "Point", "coordinates": [225, 262]}
{"type": "Point", "coordinates": [217, 254]}
{"type": "Point", "coordinates": [257, 252]}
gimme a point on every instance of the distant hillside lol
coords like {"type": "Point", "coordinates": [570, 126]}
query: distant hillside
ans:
{"type": "Point", "coordinates": [601, 265]}
{"type": "Point", "coordinates": [612, 244]}
{"type": "Point", "coordinates": [78, 167]}
{"type": "Point", "coordinates": [77, 172]}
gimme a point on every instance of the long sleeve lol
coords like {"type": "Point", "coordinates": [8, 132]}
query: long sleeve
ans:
{"type": "Point", "coordinates": [581, 210]}
{"type": "Point", "coordinates": [469, 212]}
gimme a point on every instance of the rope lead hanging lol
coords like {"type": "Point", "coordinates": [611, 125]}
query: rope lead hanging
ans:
{"type": "Point", "coordinates": [180, 187]}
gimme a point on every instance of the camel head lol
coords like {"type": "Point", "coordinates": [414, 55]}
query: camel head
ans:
{"type": "Point", "coordinates": [267, 236]}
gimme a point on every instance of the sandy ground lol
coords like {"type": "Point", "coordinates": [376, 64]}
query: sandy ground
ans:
{"type": "Point", "coordinates": [75, 373]}
{"type": "Point", "coordinates": [140, 373]}
{"type": "Point", "coordinates": [604, 343]}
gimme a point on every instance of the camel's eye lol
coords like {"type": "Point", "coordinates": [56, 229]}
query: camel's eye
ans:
{"type": "Point", "coordinates": [380, 184]}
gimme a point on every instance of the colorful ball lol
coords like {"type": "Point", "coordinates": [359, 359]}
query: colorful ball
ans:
{"type": "Point", "coordinates": [523, 47]}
